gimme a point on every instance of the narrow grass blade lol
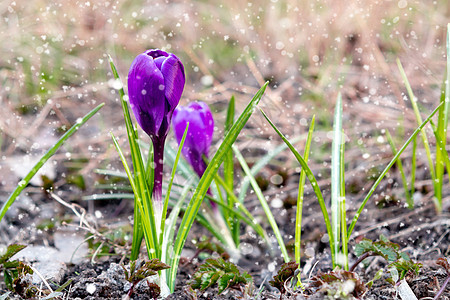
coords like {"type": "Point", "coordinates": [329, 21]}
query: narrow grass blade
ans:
{"type": "Point", "coordinates": [439, 140]}
{"type": "Point", "coordinates": [423, 133]}
{"type": "Point", "coordinates": [312, 180]}
{"type": "Point", "coordinates": [413, 166]}
{"type": "Point", "coordinates": [263, 202]}
{"type": "Point", "coordinates": [113, 187]}
{"type": "Point", "coordinates": [218, 193]}
{"type": "Point", "coordinates": [143, 188]}
{"type": "Point", "coordinates": [115, 196]}
{"type": "Point", "coordinates": [335, 176]}
{"type": "Point", "coordinates": [240, 207]}
{"type": "Point", "coordinates": [300, 197]}
{"type": "Point", "coordinates": [342, 208]}
{"type": "Point", "coordinates": [183, 167]}
{"type": "Point", "coordinates": [138, 233]}
{"type": "Point", "coordinates": [171, 220]}
{"type": "Point", "coordinates": [206, 180]}
{"type": "Point", "coordinates": [123, 100]}
{"type": "Point", "coordinates": [447, 83]}
{"type": "Point", "coordinates": [230, 114]}
{"type": "Point", "coordinates": [150, 241]}
{"type": "Point", "coordinates": [220, 219]}
{"type": "Point", "coordinates": [377, 182]}
{"type": "Point", "coordinates": [228, 173]}
{"type": "Point", "coordinates": [408, 197]}
{"type": "Point", "coordinates": [208, 221]}
{"type": "Point", "coordinates": [261, 163]}
{"type": "Point", "coordinates": [169, 187]}
{"type": "Point", "coordinates": [243, 215]}
{"type": "Point", "coordinates": [169, 232]}
{"type": "Point", "coordinates": [447, 95]}
{"type": "Point", "coordinates": [186, 171]}
{"type": "Point", "coordinates": [111, 173]}
{"type": "Point", "coordinates": [228, 164]}
{"type": "Point", "coordinates": [24, 182]}
{"type": "Point", "coordinates": [124, 162]}
{"type": "Point", "coordinates": [440, 132]}
{"type": "Point", "coordinates": [240, 213]}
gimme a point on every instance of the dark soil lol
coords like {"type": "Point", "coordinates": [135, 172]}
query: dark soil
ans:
{"type": "Point", "coordinates": [421, 233]}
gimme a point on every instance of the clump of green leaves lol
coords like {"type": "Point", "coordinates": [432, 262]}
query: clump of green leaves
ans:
{"type": "Point", "coordinates": [338, 284]}
{"type": "Point", "coordinates": [139, 270]}
{"type": "Point", "coordinates": [383, 247]}
{"type": "Point", "coordinates": [399, 263]}
{"type": "Point", "coordinates": [282, 281]}
{"type": "Point", "coordinates": [404, 268]}
{"type": "Point", "coordinates": [222, 272]}
{"type": "Point", "coordinates": [14, 272]}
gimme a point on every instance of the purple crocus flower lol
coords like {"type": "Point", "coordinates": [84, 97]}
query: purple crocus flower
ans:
{"type": "Point", "coordinates": [196, 145]}
{"type": "Point", "coordinates": [200, 133]}
{"type": "Point", "coordinates": [155, 83]}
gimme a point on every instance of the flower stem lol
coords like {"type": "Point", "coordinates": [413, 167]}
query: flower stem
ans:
{"type": "Point", "coordinates": [360, 259]}
{"type": "Point", "coordinates": [158, 156]}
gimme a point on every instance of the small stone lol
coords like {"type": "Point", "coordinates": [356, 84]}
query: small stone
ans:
{"type": "Point", "coordinates": [114, 274]}
{"type": "Point", "coordinates": [91, 288]}
{"type": "Point", "coordinates": [45, 260]}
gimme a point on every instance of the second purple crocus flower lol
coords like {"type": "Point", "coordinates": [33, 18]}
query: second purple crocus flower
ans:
{"type": "Point", "coordinates": [200, 133]}
{"type": "Point", "coordinates": [196, 145]}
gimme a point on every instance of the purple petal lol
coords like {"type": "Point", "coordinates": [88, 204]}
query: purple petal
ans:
{"type": "Point", "coordinates": [179, 121]}
{"type": "Point", "coordinates": [199, 137]}
{"type": "Point", "coordinates": [207, 129]}
{"type": "Point", "coordinates": [174, 79]}
{"type": "Point", "coordinates": [155, 53]}
{"type": "Point", "coordinates": [159, 61]}
{"type": "Point", "coordinates": [146, 94]}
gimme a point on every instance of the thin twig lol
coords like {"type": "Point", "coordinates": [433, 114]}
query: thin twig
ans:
{"type": "Point", "coordinates": [444, 285]}
{"type": "Point", "coordinates": [42, 278]}
{"type": "Point", "coordinates": [360, 259]}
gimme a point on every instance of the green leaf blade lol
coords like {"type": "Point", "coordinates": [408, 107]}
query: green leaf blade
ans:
{"type": "Point", "coordinates": [335, 176]}
{"type": "Point", "coordinates": [24, 182]}
{"type": "Point", "coordinates": [310, 177]}
{"type": "Point", "coordinates": [377, 182]}
{"type": "Point", "coordinates": [206, 180]}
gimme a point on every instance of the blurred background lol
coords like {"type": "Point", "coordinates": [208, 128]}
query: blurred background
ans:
{"type": "Point", "coordinates": [54, 69]}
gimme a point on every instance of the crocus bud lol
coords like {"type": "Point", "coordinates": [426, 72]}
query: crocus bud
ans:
{"type": "Point", "coordinates": [200, 133]}
{"type": "Point", "coordinates": [155, 82]}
